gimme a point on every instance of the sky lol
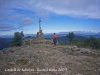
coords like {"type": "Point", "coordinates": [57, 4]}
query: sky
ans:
{"type": "Point", "coordinates": [56, 16]}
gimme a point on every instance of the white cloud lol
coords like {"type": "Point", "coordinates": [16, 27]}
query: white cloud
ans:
{"type": "Point", "coordinates": [5, 26]}
{"type": "Point", "coordinates": [76, 8]}
{"type": "Point", "coordinates": [43, 8]}
{"type": "Point", "coordinates": [16, 17]}
{"type": "Point", "coordinates": [26, 22]}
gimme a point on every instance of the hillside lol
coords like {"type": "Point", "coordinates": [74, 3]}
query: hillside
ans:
{"type": "Point", "coordinates": [4, 43]}
{"type": "Point", "coordinates": [61, 59]}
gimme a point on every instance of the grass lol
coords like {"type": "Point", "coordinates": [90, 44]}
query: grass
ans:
{"type": "Point", "coordinates": [22, 61]}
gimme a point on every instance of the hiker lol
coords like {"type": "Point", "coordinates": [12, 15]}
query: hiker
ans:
{"type": "Point", "coordinates": [55, 38]}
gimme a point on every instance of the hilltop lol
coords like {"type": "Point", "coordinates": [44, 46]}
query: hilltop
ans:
{"type": "Point", "coordinates": [73, 60]}
{"type": "Point", "coordinates": [39, 56]}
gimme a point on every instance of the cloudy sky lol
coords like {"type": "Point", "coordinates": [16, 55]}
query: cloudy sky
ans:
{"type": "Point", "coordinates": [56, 16]}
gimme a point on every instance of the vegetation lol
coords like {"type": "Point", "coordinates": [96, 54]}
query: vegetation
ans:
{"type": "Point", "coordinates": [91, 42]}
{"type": "Point", "coordinates": [22, 61]}
{"type": "Point", "coordinates": [71, 36]}
{"type": "Point", "coordinates": [62, 43]}
{"type": "Point", "coordinates": [17, 40]}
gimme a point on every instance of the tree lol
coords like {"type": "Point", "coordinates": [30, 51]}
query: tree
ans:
{"type": "Point", "coordinates": [17, 40]}
{"type": "Point", "coordinates": [71, 36]}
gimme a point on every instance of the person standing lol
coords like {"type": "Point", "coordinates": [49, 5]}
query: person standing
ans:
{"type": "Point", "coordinates": [55, 38]}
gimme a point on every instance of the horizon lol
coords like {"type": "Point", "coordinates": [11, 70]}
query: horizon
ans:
{"type": "Point", "coordinates": [60, 32]}
{"type": "Point", "coordinates": [77, 33]}
{"type": "Point", "coordinates": [57, 16]}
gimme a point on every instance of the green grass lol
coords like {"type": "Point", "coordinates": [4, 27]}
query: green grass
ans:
{"type": "Point", "coordinates": [22, 61]}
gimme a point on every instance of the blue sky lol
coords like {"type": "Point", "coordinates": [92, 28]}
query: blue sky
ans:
{"type": "Point", "coordinates": [56, 16]}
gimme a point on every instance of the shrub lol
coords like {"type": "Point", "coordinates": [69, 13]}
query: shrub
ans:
{"type": "Point", "coordinates": [62, 43]}
{"type": "Point", "coordinates": [22, 60]}
{"type": "Point", "coordinates": [91, 42]}
{"type": "Point", "coordinates": [17, 40]}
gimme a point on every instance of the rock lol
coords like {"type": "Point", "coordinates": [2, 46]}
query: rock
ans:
{"type": "Point", "coordinates": [4, 52]}
{"type": "Point", "coordinates": [4, 48]}
{"type": "Point", "coordinates": [77, 49]}
{"type": "Point", "coordinates": [35, 41]}
{"type": "Point", "coordinates": [11, 63]}
{"type": "Point", "coordinates": [64, 50]}
{"type": "Point", "coordinates": [11, 51]}
{"type": "Point", "coordinates": [79, 74]}
{"type": "Point", "coordinates": [74, 46]}
{"type": "Point", "coordinates": [0, 53]}
{"type": "Point", "coordinates": [56, 73]}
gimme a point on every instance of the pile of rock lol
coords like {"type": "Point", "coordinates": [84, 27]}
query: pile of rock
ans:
{"type": "Point", "coordinates": [40, 35]}
{"type": "Point", "coordinates": [36, 41]}
{"type": "Point", "coordinates": [39, 39]}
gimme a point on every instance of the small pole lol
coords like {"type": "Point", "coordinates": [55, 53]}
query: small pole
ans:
{"type": "Point", "coordinates": [39, 24]}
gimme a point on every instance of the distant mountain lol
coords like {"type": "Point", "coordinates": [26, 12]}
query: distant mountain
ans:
{"type": "Point", "coordinates": [28, 37]}
{"type": "Point", "coordinates": [86, 34]}
{"type": "Point", "coordinates": [6, 36]}
{"type": "Point", "coordinates": [66, 40]}
{"type": "Point", "coordinates": [4, 43]}
{"type": "Point", "coordinates": [11, 36]}
{"type": "Point", "coordinates": [96, 36]}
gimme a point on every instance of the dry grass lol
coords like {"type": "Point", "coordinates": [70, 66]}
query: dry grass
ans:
{"type": "Point", "coordinates": [49, 56]}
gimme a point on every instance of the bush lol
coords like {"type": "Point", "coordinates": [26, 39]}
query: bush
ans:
{"type": "Point", "coordinates": [77, 43]}
{"type": "Point", "coordinates": [22, 61]}
{"type": "Point", "coordinates": [17, 40]}
{"type": "Point", "coordinates": [91, 42]}
{"type": "Point", "coordinates": [62, 43]}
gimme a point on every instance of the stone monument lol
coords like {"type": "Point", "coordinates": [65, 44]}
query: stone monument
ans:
{"type": "Point", "coordinates": [39, 38]}
{"type": "Point", "coordinates": [40, 35]}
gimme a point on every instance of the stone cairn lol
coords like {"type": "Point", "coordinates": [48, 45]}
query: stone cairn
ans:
{"type": "Point", "coordinates": [39, 39]}
{"type": "Point", "coordinates": [40, 35]}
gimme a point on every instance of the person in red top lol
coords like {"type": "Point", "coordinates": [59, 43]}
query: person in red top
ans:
{"type": "Point", "coordinates": [55, 38]}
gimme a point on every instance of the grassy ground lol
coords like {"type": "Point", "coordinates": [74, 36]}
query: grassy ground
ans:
{"type": "Point", "coordinates": [66, 59]}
